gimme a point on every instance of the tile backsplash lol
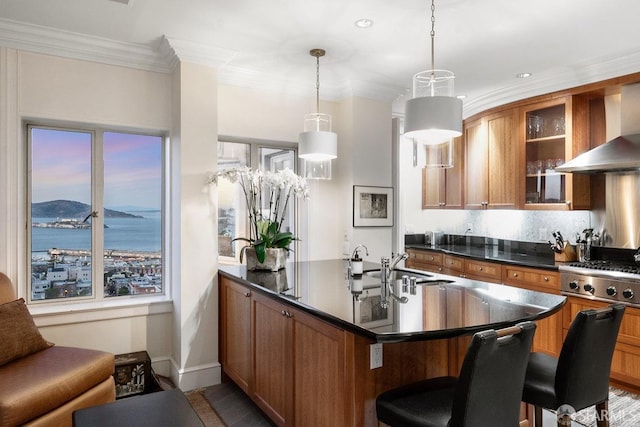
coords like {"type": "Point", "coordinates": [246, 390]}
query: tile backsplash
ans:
{"type": "Point", "coordinates": [529, 226]}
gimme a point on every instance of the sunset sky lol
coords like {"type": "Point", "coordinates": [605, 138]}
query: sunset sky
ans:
{"type": "Point", "coordinates": [61, 168]}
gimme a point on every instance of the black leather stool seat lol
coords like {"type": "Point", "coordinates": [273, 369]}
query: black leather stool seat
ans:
{"type": "Point", "coordinates": [540, 380]}
{"type": "Point", "coordinates": [422, 404]}
{"type": "Point", "coordinates": [487, 392]}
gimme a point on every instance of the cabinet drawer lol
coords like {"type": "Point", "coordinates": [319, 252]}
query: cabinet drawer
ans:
{"type": "Point", "coordinates": [549, 281]}
{"type": "Point", "coordinates": [425, 257]}
{"type": "Point", "coordinates": [450, 262]}
{"type": "Point", "coordinates": [484, 269]}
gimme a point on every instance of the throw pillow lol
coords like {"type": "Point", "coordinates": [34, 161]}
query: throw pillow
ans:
{"type": "Point", "coordinates": [19, 335]}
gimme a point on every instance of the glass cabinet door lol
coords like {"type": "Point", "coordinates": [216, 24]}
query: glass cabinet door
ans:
{"type": "Point", "coordinates": [545, 140]}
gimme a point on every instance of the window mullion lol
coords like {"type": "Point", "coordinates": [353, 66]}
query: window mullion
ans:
{"type": "Point", "coordinates": [97, 205]}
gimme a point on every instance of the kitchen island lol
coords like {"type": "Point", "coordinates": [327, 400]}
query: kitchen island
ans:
{"type": "Point", "coordinates": [302, 342]}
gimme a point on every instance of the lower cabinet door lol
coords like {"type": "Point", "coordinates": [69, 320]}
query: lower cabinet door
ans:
{"type": "Point", "coordinates": [236, 332]}
{"type": "Point", "coordinates": [273, 360]}
{"type": "Point", "coordinates": [320, 381]}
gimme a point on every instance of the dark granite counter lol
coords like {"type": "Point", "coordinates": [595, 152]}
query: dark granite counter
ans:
{"type": "Point", "coordinates": [528, 254]}
{"type": "Point", "coordinates": [430, 311]}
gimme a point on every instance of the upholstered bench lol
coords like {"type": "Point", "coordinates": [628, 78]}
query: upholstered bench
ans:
{"type": "Point", "coordinates": [42, 384]}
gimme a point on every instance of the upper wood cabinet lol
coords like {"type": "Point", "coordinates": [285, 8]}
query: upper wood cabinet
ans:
{"type": "Point", "coordinates": [492, 157]}
{"type": "Point", "coordinates": [554, 132]}
{"type": "Point", "coordinates": [442, 188]}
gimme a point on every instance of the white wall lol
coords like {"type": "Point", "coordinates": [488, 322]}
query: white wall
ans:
{"type": "Point", "coordinates": [179, 335]}
{"type": "Point", "coordinates": [363, 126]}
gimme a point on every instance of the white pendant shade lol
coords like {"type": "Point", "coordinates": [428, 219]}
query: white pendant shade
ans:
{"type": "Point", "coordinates": [433, 119]}
{"type": "Point", "coordinates": [317, 143]}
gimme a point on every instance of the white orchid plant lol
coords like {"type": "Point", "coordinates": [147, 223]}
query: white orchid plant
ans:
{"type": "Point", "coordinates": [259, 186]}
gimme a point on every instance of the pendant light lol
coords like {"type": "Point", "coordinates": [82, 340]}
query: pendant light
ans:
{"type": "Point", "coordinates": [434, 115]}
{"type": "Point", "coordinates": [317, 145]}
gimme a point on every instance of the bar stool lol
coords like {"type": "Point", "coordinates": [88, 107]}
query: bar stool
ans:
{"type": "Point", "coordinates": [487, 392]}
{"type": "Point", "coordinates": [580, 376]}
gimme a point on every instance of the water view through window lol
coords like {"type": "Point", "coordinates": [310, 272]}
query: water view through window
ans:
{"type": "Point", "coordinates": [72, 175]}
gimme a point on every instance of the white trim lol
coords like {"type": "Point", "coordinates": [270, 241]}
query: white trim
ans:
{"type": "Point", "coordinates": [35, 38]}
{"type": "Point", "coordinates": [56, 314]}
{"type": "Point", "coordinates": [195, 377]}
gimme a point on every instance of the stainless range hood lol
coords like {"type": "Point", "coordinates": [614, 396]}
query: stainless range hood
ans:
{"type": "Point", "coordinates": [618, 155]}
{"type": "Point", "coordinates": [622, 151]}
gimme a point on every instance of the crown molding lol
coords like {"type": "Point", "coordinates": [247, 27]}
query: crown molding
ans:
{"type": "Point", "coordinates": [555, 80]}
{"type": "Point", "coordinates": [35, 38]}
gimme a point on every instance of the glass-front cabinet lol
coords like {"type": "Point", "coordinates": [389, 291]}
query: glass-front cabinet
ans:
{"type": "Point", "coordinates": [549, 142]}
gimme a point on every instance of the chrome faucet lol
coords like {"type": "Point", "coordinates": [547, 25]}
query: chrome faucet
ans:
{"type": "Point", "coordinates": [386, 271]}
{"type": "Point", "coordinates": [400, 257]}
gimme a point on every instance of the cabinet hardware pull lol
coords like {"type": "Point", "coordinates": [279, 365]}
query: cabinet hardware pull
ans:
{"type": "Point", "coordinates": [283, 312]}
{"type": "Point", "coordinates": [480, 269]}
{"type": "Point", "coordinates": [515, 274]}
{"type": "Point", "coordinates": [247, 294]}
{"type": "Point", "coordinates": [546, 279]}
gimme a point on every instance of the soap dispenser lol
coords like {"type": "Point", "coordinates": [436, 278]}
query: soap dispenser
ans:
{"type": "Point", "coordinates": [356, 261]}
{"type": "Point", "coordinates": [356, 264]}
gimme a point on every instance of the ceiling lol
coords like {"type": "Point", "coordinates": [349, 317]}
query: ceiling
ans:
{"type": "Point", "coordinates": [258, 43]}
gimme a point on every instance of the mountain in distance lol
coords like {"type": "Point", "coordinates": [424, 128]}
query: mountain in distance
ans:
{"type": "Point", "coordinates": [71, 209]}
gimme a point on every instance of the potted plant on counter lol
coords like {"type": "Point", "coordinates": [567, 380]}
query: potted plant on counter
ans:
{"type": "Point", "coordinates": [267, 196]}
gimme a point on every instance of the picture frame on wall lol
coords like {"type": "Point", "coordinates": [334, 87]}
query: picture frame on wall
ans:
{"type": "Point", "coordinates": [372, 206]}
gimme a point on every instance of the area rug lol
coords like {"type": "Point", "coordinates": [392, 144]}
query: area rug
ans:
{"type": "Point", "coordinates": [624, 410]}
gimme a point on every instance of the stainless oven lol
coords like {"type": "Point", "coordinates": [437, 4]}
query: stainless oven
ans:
{"type": "Point", "coordinates": [602, 280]}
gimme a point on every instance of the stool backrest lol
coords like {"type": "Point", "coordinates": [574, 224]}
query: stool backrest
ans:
{"type": "Point", "coordinates": [491, 380]}
{"type": "Point", "coordinates": [584, 365]}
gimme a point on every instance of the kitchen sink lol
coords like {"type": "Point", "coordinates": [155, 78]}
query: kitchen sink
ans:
{"type": "Point", "coordinates": [398, 273]}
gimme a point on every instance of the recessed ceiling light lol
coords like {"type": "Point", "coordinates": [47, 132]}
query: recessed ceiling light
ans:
{"type": "Point", "coordinates": [364, 23]}
{"type": "Point", "coordinates": [523, 75]}
{"type": "Point", "coordinates": [461, 96]}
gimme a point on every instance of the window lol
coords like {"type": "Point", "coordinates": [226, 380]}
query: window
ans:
{"type": "Point", "coordinates": [96, 209]}
{"type": "Point", "coordinates": [232, 215]}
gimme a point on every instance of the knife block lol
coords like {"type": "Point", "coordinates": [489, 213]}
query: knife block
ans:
{"type": "Point", "coordinates": [568, 254]}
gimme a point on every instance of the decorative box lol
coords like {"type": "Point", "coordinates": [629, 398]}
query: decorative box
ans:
{"type": "Point", "coordinates": [133, 374]}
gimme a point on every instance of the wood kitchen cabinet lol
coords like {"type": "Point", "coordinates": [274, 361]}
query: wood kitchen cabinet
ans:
{"type": "Point", "coordinates": [291, 364]}
{"type": "Point", "coordinates": [625, 366]}
{"type": "Point", "coordinates": [235, 332]}
{"type": "Point", "coordinates": [442, 188]}
{"type": "Point", "coordinates": [548, 337]}
{"type": "Point", "coordinates": [473, 269]}
{"type": "Point", "coordinates": [424, 260]}
{"type": "Point", "coordinates": [492, 156]}
{"type": "Point", "coordinates": [554, 132]}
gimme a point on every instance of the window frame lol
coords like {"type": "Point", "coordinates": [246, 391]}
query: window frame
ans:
{"type": "Point", "coordinates": [255, 145]}
{"type": "Point", "coordinates": [97, 299]}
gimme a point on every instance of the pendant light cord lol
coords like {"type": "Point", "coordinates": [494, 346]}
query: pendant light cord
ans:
{"type": "Point", "coordinates": [433, 38]}
{"type": "Point", "coordinates": [318, 84]}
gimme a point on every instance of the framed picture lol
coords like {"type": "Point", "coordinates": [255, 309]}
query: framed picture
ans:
{"type": "Point", "coordinates": [372, 206]}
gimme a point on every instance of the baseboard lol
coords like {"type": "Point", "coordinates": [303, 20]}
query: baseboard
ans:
{"type": "Point", "coordinates": [196, 376]}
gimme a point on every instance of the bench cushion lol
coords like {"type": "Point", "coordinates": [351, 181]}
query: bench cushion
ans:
{"type": "Point", "coordinates": [42, 381]}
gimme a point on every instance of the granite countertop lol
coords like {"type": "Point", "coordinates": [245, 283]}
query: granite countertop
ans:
{"type": "Point", "coordinates": [437, 310]}
{"type": "Point", "coordinates": [528, 254]}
